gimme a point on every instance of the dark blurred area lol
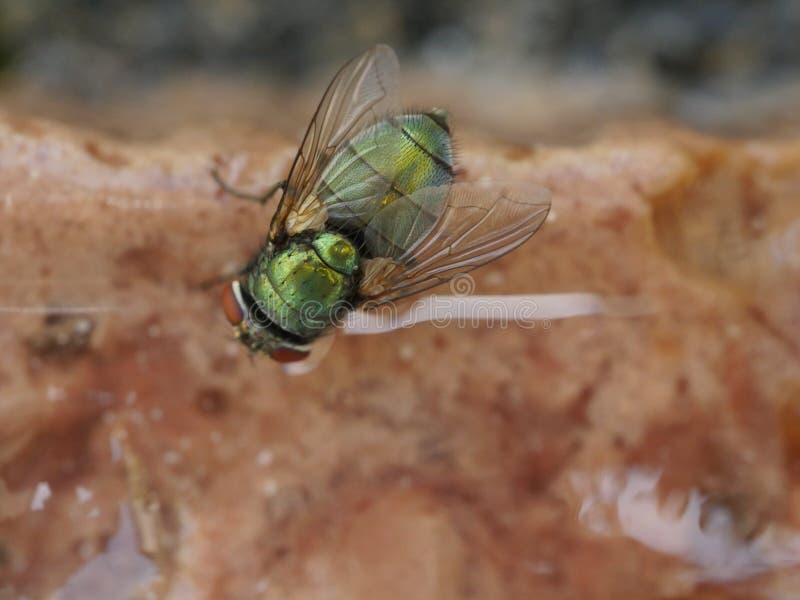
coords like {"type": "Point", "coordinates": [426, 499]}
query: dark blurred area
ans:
{"type": "Point", "coordinates": [684, 53]}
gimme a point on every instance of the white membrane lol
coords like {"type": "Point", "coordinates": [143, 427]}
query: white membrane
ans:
{"type": "Point", "coordinates": [521, 310]}
{"type": "Point", "coordinates": [319, 349]}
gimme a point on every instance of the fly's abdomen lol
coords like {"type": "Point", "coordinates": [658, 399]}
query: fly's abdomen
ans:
{"type": "Point", "coordinates": [367, 185]}
{"type": "Point", "coordinates": [300, 288]}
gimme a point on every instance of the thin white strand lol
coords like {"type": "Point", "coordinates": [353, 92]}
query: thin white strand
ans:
{"type": "Point", "coordinates": [57, 310]}
{"type": "Point", "coordinates": [521, 309]}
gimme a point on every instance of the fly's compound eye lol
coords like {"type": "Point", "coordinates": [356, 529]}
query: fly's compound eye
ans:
{"type": "Point", "coordinates": [288, 355]}
{"type": "Point", "coordinates": [232, 303]}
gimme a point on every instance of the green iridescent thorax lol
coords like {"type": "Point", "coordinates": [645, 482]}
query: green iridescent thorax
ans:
{"type": "Point", "coordinates": [300, 287]}
{"type": "Point", "coordinates": [368, 184]}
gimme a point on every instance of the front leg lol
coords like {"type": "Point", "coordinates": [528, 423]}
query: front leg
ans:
{"type": "Point", "coordinates": [260, 198]}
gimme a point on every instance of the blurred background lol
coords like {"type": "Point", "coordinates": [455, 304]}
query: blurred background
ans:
{"type": "Point", "coordinates": [142, 448]}
{"type": "Point", "coordinates": [728, 66]}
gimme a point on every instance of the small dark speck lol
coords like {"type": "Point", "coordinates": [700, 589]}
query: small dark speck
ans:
{"type": "Point", "coordinates": [100, 154]}
{"type": "Point", "coordinates": [62, 336]}
{"type": "Point", "coordinates": [5, 555]}
{"type": "Point", "coordinates": [681, 385]}
{"type": "Point", "coordinates": [211, 401]}
{"type": "Point", "coordinates": [519, 152]}
{"type": "Point", "coordinates": [439, 341]}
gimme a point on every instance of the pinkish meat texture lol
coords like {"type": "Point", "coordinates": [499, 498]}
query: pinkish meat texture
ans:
{"type": "Point", "coordinates": [426, 463]}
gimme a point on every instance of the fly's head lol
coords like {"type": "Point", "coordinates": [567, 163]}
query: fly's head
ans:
{"type": "Point", "coordinates": [254, 329]}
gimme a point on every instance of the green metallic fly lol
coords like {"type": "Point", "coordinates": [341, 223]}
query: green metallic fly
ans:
{"type": "Point", "coordinates": [372, 211]}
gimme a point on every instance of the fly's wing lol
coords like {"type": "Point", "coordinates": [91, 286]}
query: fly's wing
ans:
{"type": "Point", "coordinates": [363, 90]}
{"type": "Point", "coordinates": [480, 222]}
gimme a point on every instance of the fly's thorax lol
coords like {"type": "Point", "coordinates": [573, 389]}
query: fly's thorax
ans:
{"type": "Point", "coordinates": [336, 251]}
{"type": "Point", "coordinates": [302, 288]}
{"type": "Point", "coordinates": [371, 178]}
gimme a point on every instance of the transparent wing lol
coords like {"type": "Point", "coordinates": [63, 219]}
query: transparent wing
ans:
{"type": "Point", "coordinates": [480, 222]}
{"type": "Point", "coordinates": [363, 90]}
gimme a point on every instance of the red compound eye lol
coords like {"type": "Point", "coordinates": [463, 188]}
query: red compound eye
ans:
{"type": "Point", "coordinates": [287, 355]}
{"type": "Point", "coordinates": [230, 304]}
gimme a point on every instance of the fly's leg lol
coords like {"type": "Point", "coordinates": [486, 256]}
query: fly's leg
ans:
{"type": "Point", "coordinates": [260, 198]}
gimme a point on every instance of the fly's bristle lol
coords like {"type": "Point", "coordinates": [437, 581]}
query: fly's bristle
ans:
{"type": "Point", "coordinates": [441, 116]}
